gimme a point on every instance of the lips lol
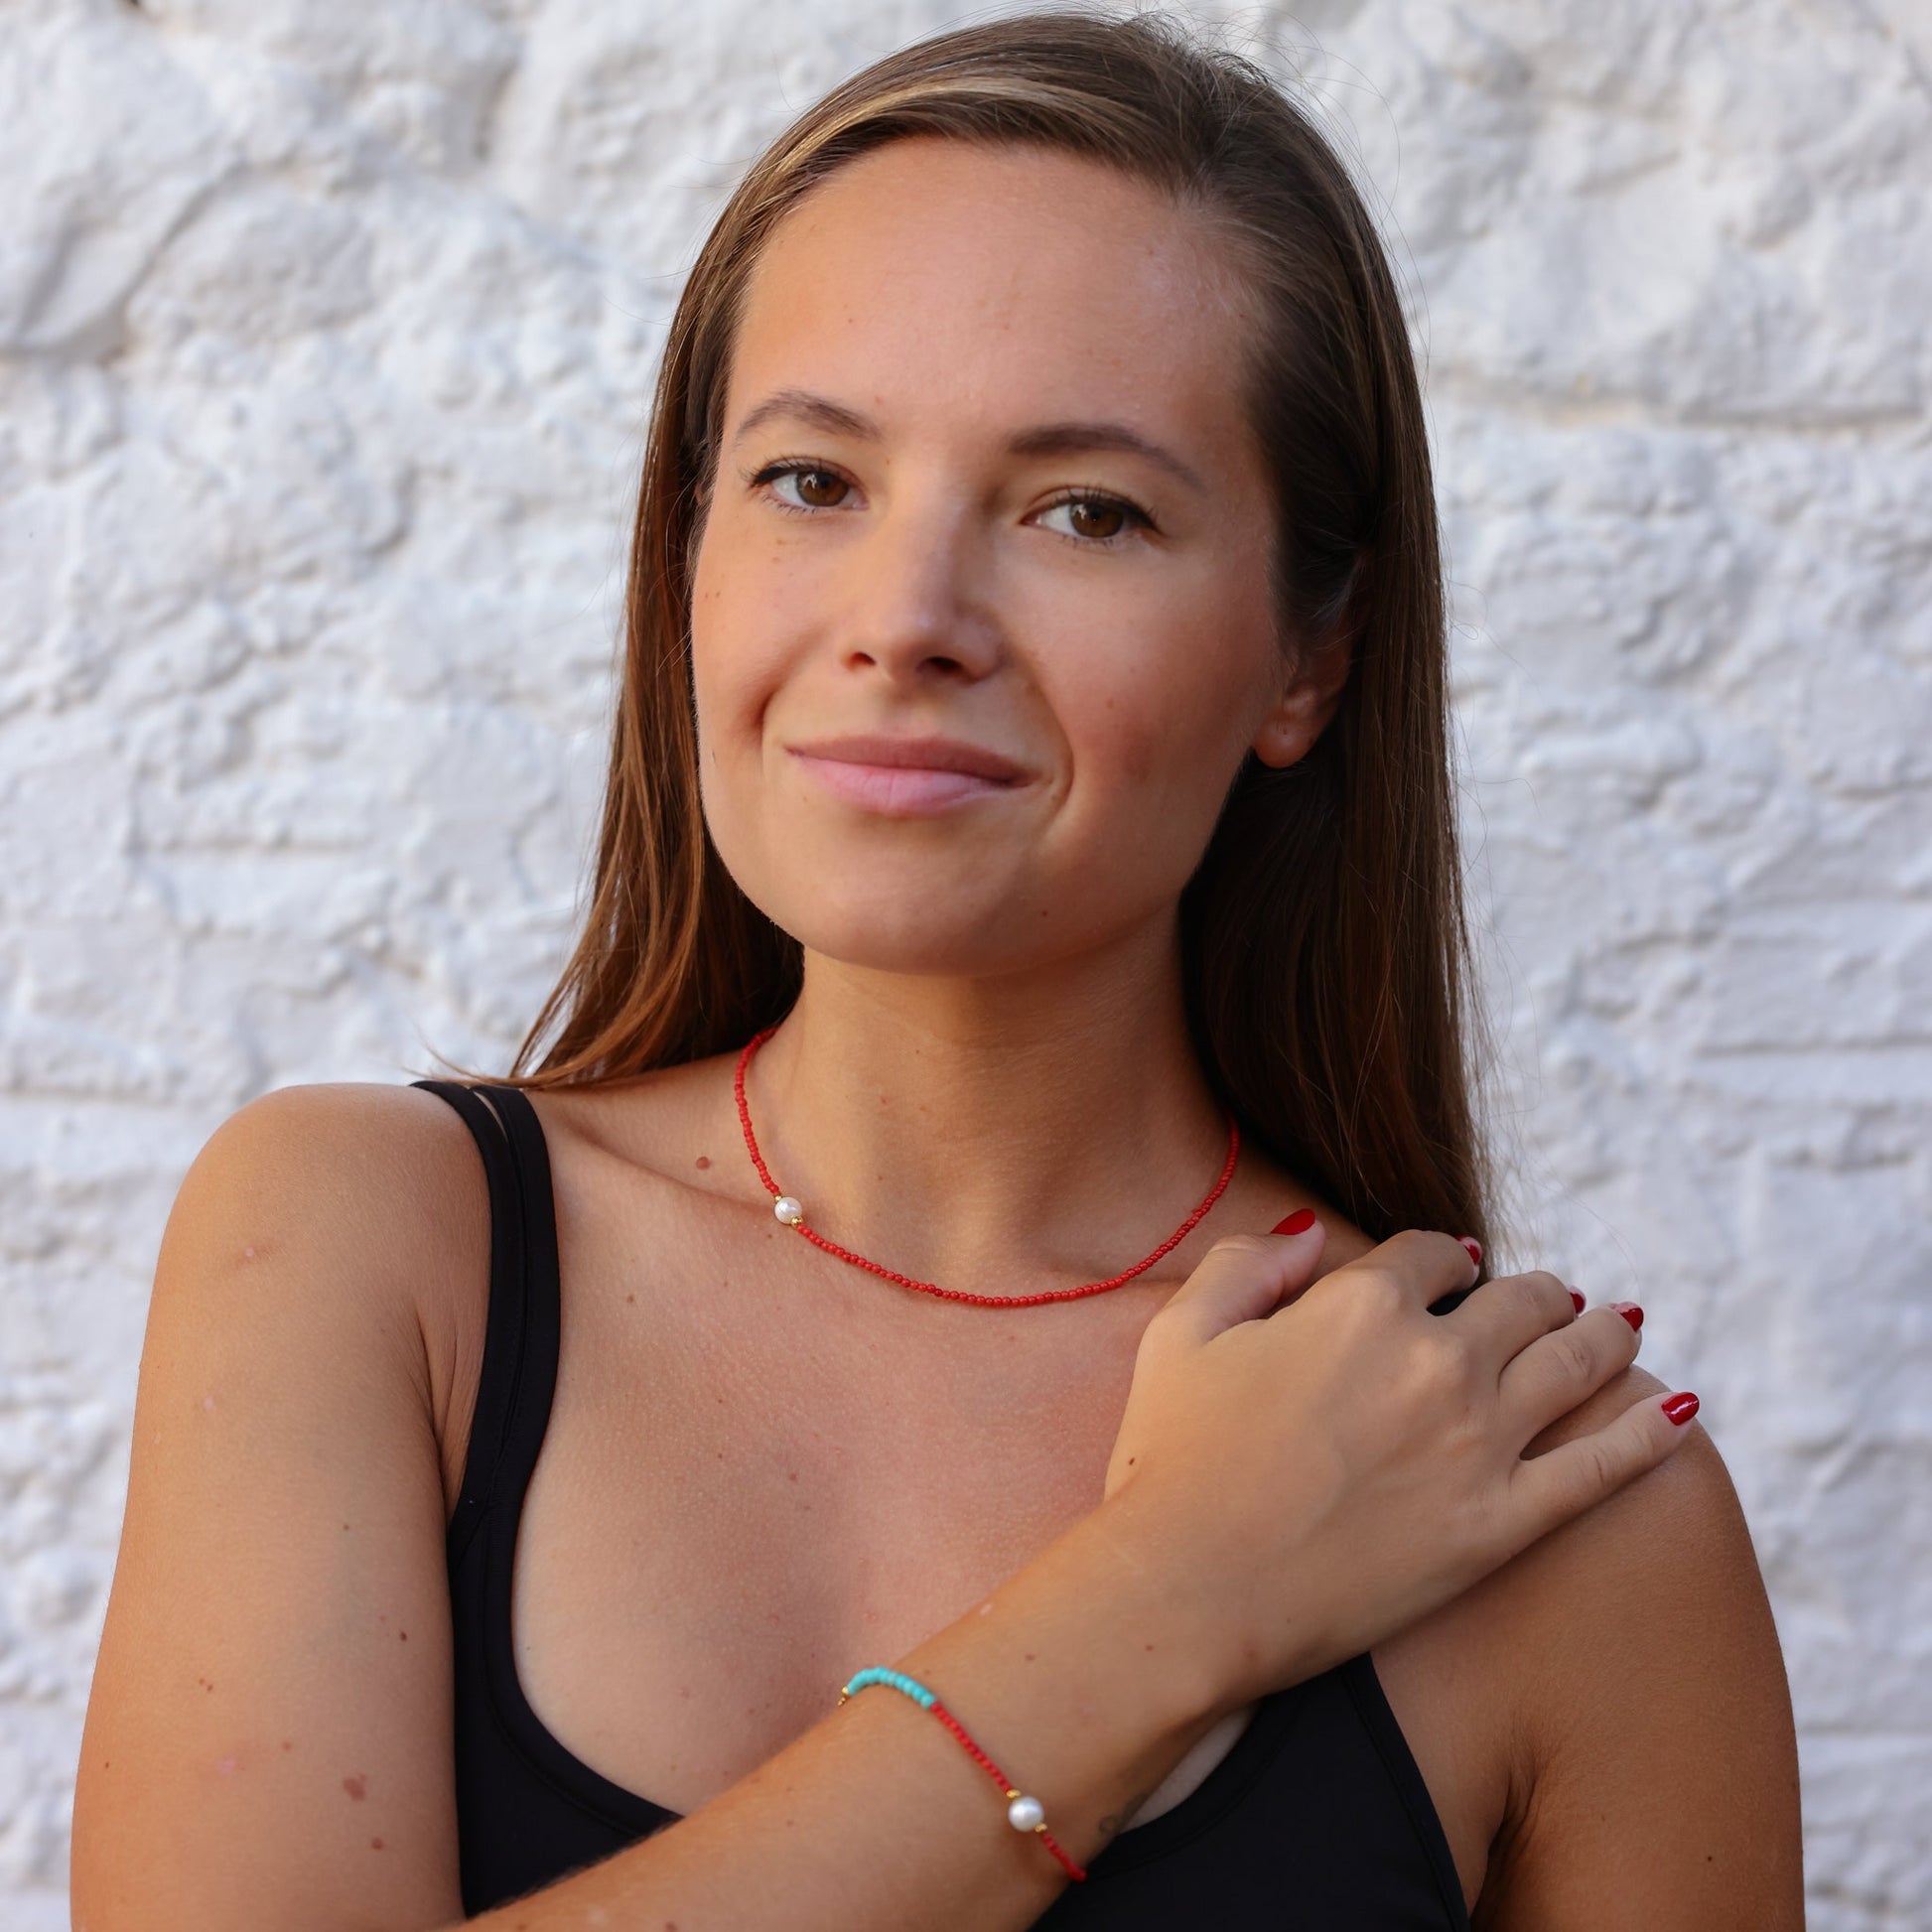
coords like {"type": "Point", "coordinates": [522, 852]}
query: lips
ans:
{"type": "Point", "coordinates": [905, 777]}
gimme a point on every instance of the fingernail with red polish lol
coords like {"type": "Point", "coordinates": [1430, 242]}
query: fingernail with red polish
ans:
{"type": "Point", "coordinates": [1576, 1300]}
{"type": "Point", "coordinates": [1475, 1247]}
{"type": "Point", "coordinates": [1297, 1223]}
{"type": "Point", "coordinates": [1681, 1408]}
{"type": "Point", "coordinates": [1630, 1313]}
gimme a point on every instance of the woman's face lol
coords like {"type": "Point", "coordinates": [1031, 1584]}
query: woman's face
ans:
{"type": "Point", "coordinates": [985, 476]}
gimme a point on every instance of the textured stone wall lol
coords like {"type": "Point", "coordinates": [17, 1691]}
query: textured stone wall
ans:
{"type": "Point", "coordinates": [325, 337]}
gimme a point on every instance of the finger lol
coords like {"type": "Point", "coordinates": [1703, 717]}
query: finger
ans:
{"type": "Point", "coordinates": [1548, 1491]}
{"type": "Point", "coordinates": [1425, 1264]}
{"type": "Point", "coordinates": [1551, 1376]}
{"type": "Point", "coordinates": [1242, 1278]}
{"type": "Point", "coordinates": [1503, 1317]}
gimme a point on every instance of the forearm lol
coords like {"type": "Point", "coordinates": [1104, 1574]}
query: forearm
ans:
{"type": "Point", "coordinates": [1072, 1677]}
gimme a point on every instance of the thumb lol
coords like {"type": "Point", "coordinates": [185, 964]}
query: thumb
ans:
{"type": "Point", "coordinates": [1245, 1277]}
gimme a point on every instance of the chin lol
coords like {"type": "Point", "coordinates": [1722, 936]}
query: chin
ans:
{"type": "Point", "coordinates": [927, 927]}
{"type": "Point", "coordinates": [925, 939]}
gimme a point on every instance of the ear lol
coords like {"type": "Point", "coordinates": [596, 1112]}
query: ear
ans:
{"type": "Point", "coordinates": [1306, 704]}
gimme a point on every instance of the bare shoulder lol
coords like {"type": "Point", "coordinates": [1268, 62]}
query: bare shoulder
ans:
{"type": "Point", "coordinates": [381, 1191]}
{"type": "Point", "coordinates": [345, 1164]}
{"type": "Point", "coordinates": [1687, 1500]}
{"type": "Point", "coordinates": [1633, 1651]}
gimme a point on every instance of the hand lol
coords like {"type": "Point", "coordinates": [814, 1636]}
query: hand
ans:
{"type": "Point", "coordinates": [1322, 1474]}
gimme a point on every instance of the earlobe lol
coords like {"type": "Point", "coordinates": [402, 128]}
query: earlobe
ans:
{"type": "Point", "coordinates": [1292, 727]}
{"type": "Point", "coordinates": [1283, 737]}
{"type": "Point", "coordinates": [1303, 712]}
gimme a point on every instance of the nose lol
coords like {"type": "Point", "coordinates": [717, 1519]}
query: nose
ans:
{"type": "Point", "coordinates": [916, 595]}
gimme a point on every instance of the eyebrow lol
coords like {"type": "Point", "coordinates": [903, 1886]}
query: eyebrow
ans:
{"type": "Point", "coordinates": [1048, 439]}
{"type": "Point", "coordinates": [819, 411]}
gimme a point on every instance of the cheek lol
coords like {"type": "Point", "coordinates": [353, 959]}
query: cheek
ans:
{"type": "Point", "coordinates": [727, 689]}
{"type": "Point", "coordinates": [1160, 727]}
{"type": "Point", "coordinates": [731, 656]}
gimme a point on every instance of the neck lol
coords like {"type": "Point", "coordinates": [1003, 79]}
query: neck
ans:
{"type": "Point", "coordinates": [1003, 1136]}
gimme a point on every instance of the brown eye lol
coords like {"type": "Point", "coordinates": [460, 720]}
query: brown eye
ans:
{"type": "Point", "coordinates": [1096, 521]}
{"type": "Point", "coordinates": [1097, 518]}
{"type": "Point", "coordinates": [818, 489]}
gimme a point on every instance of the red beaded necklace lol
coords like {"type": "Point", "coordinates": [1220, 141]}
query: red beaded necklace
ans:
{"type": "Point", "coordinates": [789, 1211]}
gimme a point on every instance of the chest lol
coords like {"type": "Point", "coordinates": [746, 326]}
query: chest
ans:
{"type": "Point", "coordinates": [758, 1477]}
{"type": "Point", "coordinates": [753, 1484]}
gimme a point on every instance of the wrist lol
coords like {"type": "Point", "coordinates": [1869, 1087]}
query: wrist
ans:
{"type": "Point", "coordinates": [1077, 1675]}
{"type": "Point", "coordinates": [1175, 1634]}
{"type": "Point", "coordinates": [1227, 1639]}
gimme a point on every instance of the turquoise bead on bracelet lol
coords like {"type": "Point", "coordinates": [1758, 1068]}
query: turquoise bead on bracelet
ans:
{"type": "Point", "coordinates": [897, 1679]}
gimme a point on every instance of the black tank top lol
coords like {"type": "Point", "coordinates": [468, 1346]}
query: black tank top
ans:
{"type": "Point", "coordinates": [1318, 1820]}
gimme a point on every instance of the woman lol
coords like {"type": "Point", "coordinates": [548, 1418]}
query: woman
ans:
{"type": "Point", "coordinates": [1028, 873]}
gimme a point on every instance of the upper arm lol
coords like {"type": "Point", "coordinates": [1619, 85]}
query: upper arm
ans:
{"type": "Point", "coordinates": [1657, 1780]}
{"type": "Point", "coordinates": [268, 1740]}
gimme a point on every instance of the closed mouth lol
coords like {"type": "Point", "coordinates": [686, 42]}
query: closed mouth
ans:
{"type": "Point", "coordinates": [908, 777]}
{"type": "Point", "coordinates": [931, 754]}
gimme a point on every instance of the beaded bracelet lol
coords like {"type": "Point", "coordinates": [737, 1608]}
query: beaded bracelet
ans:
{"type": "Point", "coordinates": [1024, 1814]}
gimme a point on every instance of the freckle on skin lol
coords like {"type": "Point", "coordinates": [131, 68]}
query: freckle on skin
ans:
{"type": "Point", "coordinates": [376, 1844]}
{"type": "Point", "coordinates": [357, 1786]}
{"type": "Point", "coordinates": [704, 1160]}
{"type": "Point", "coordinates": [207, 1402]}
{"type": "Point", "coordinates": [227, 1767]}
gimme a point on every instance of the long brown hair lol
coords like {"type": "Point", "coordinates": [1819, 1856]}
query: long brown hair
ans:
{"type": "Point", "coordinates": [1324, 946]}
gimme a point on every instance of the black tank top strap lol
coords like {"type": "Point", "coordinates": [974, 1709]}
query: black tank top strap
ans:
{"type": "Point", "coordinates": [521, 1336]}
{"type": "Point", "coordinates": [1378, 1719]}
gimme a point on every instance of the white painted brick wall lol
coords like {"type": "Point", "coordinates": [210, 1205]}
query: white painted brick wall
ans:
{"type": "Point", "coordinates": [326, 334]}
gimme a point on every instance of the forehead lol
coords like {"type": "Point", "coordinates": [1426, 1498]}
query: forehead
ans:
{"type": "Point", "coordinates": [937, 278]}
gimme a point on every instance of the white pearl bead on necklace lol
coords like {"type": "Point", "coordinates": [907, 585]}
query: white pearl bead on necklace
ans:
{"type": "Point", "coordinates": [788, 1211]}
{"type": "Point", "coordinates": [1026, 1814]}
